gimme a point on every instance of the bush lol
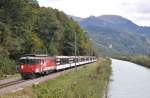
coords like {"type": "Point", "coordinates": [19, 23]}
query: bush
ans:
{"type": "Point", "coordinates": [7, 66]}
{"type": "Point", "coordinates": [140, 59]}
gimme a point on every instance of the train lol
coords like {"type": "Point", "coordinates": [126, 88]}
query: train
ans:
{"type": "Point", "coordinates": [33, 65]}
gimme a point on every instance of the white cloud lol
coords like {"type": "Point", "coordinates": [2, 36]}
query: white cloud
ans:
{"type": "Point", "coordinates": [135, 10]}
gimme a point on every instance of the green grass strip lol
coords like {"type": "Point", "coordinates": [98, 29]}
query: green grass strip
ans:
{"type": "Point", "coordinates": [86, 82]}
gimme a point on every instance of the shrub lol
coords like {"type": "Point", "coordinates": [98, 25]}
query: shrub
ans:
{"type": "Point", "coordinates": [7, 66]}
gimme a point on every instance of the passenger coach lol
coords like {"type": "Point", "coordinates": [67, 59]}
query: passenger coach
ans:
{"type": "Point", "coordinates": [32, 65]}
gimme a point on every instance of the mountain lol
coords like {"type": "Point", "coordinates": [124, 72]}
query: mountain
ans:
{"type": "Point", "coordinates": [78, 19]}
{"type": "Point", "coordinates": [114, 34]}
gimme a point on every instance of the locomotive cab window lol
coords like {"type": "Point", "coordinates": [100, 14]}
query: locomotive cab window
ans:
{"type": "Point", "coordinates": [29, 61]}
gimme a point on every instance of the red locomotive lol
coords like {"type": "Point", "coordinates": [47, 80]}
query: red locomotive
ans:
{"type": "Point", "coordinates": [32, 65]}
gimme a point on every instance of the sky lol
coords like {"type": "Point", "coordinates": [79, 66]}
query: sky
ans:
{"type": "Point", "coordinates": [137, 11]}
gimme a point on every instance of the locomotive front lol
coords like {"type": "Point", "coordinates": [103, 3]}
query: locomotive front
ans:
{"type": "Point", "coordinates": [29, 66]}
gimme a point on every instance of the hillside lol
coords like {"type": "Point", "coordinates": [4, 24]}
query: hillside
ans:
{"type": "Point", "coordinates": [117, 35]}
{"type": "Point", "coordinates": [27, 28]}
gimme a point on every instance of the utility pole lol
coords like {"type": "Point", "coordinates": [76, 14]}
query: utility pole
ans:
{"type": "Point", "coordinates": [75, 49]}
{"type": "Point", "coordinates": [90, 47]}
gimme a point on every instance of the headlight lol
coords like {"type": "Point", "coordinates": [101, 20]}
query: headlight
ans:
{"type": "Point", "coordinates": [36, 70]}
{"type": "Point", "coordinates": [22, 66]}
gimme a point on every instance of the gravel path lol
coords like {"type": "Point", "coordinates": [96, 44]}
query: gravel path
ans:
{"type": "Point", "coordinates": [9, 80]}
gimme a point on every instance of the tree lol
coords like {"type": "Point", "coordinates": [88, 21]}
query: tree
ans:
{"type": "Point", "coordinates": [27, 28]}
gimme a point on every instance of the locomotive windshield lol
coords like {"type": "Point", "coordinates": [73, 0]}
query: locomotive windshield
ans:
{"type": "Point", "coordinates": [29, 61]}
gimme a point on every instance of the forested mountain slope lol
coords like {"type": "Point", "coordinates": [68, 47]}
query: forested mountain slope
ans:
{"type": "Point", "coordinates": [26, 28]}
{"type": "Point", "coordinates": [117, 35]}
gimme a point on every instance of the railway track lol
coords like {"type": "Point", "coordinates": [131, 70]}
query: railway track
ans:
{"type": "Point", "coordinates": [19, 84]}
{"type": "Point", "coordinates": [11, 83]}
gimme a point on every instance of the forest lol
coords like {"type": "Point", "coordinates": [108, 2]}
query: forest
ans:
{"type": "Point", "coordinates": [27, 28]}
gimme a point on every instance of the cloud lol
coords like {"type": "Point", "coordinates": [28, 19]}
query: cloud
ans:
{"type": "Point", "coordinates": [143, 8]}
{"type": "Point", "coordinates": [138, 6]}
{"type": "Point", "coordinates": [47, 3]}
{"type": "Point", "coordinates": [135, 10]}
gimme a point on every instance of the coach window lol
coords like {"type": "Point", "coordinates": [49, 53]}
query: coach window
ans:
{"type": "Point", "coordinates": [43, 61]}
{"type": "Point", "coordinates": [40, 60]}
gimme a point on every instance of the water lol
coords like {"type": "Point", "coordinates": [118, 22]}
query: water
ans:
{"type": "Point", "coordinates": [129, 80]}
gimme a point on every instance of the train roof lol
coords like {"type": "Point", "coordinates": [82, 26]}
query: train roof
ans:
{"type": "Point", "coordinates": [44, 56]}
{"type": "Point", "coordinates": [73, 56]}
{"type": "Point", "coordinates": [35, 56]}
{"type": "Point", "coordinates": [29, 57]}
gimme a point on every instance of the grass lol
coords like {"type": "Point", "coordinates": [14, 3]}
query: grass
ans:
{"type": "Point", "coordinates": [142, 60]}
{"type": "Point", "coordinates": [86, 82]}
{"type": "Point", "coordinates": [2, 77]}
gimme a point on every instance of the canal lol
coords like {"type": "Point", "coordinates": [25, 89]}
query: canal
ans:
{"type": "Point", "coordinates": [129, 80]}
